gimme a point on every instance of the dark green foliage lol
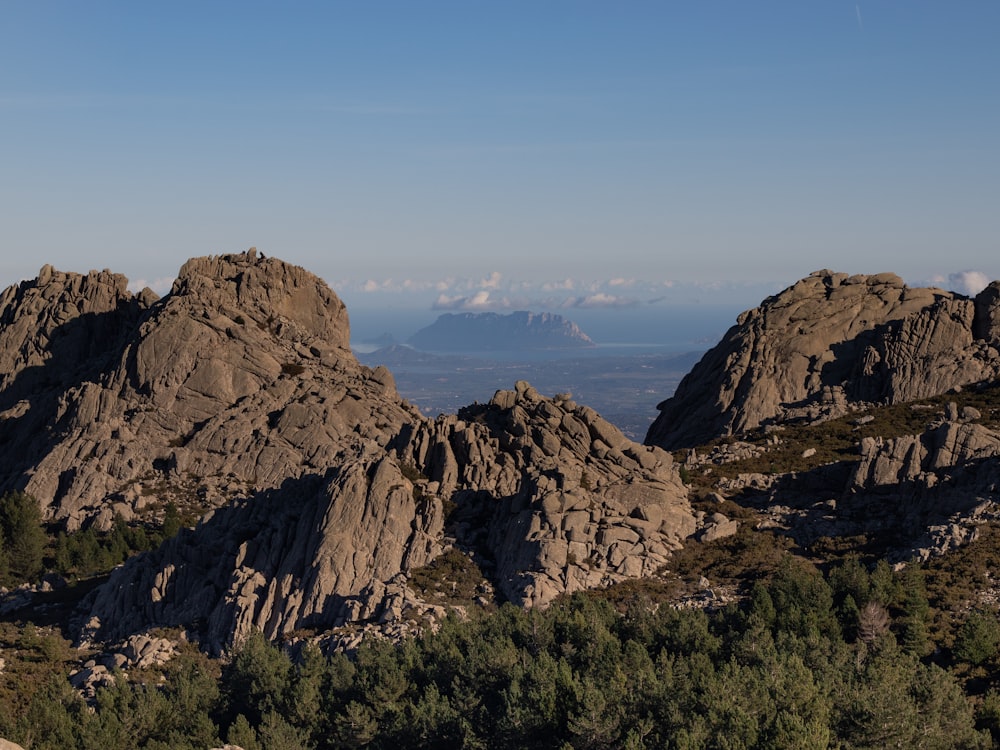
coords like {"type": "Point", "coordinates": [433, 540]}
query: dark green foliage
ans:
{"type": "Point", "coordinates": [23, 541]}
{"type": "Point", "coordinates": [914, 635]}
{"type": "Point", "coordinates": [88, 552]}
{"type": "Point", "coordinates": [784, 670]}
{"type": "Point", "coordinates": [171, 521]}
{"type": "Point", "coordinates": [256, 680]}
{"type": "Point", "coordinates": [978, 639]}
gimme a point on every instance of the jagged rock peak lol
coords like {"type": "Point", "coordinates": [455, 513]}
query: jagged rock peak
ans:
{"type": "Point", "coordinates": [555, 495]}
{"type": "Point", "coordinates": [241, 374]}
{"type": "Point", "coordinates": [826, 344]}
{"type": "Point", "coordinates": [85, 309]}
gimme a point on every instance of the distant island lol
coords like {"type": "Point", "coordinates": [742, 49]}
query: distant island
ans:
{"type": "Point", "coordinates": [522, 330]}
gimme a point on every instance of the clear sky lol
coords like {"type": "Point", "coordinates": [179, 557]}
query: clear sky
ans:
{"type": "Point", "coordinates": [492, 153]}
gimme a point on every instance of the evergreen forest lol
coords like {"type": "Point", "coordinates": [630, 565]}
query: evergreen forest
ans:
{"type": "Point", "coordinates": [842, 659]}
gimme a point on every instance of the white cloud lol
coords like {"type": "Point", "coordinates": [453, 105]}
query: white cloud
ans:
{"type": "Point", "coordinates": [968, 282]}
{"type": "Point", "coordinates": [491, 282]}
{"type": "Point", "coordinates": [478, 301]}
{"type": "Point", "coordinates": [550, 286]}
{"type": "Point", "coordinates": [600, 299]}
{"type": "Point", "coordinates": [621, 282]}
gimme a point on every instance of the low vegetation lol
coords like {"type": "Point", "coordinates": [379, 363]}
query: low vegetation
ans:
{"type": "Point", "coordinates": [809, 660]}
{"type": "Point", "coordinates": [453, 578]}
{"type": "Point", "coordinates": [29, 548]}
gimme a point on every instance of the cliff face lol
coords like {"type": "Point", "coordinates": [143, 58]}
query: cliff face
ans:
{"type": "Point", "coordinates": [328, 488]}
{"type": "Point", "coordinates": [828, 344]}
{"type": "Point", "coordinates": [549, 496]}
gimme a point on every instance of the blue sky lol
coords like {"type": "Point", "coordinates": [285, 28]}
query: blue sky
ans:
{"type": "Point", "coordinates": [490, 154]}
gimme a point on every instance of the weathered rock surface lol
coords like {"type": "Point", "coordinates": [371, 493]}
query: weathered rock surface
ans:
{"type": "Point", "coordinates": [553, 494]}
{"type": "Point", "coordinates": [239, 378]}
{"type": "Point", "coordinates": [315, 553]}
{"type": "Point", "coordinates": [328, 488]}
{"type": "Point", "coordinates": [920, 495]}
{"type": "Point", "coordinates": [547, 492]}
{"type": "Point", "coordinates": [827, 344]}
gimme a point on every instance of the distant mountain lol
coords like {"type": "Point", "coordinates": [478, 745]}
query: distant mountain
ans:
{"type": "Point", "coordinates": [453, 332]}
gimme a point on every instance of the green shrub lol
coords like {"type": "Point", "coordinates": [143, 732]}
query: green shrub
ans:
{"type": "Point", "coordinates": [23, 539]}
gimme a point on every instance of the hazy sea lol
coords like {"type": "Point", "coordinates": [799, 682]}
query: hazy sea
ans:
{"type": "Point", "coordinates": [664, 329]}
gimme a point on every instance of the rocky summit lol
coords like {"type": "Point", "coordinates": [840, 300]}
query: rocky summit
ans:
{"type": "Point", "coordinates": [829, 344]}
{"type": "Point", "coordinates": [237, 393]}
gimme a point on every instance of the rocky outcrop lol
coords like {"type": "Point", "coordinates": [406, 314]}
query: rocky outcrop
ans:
{"type": "Point", "coordinates": [915, 495]}
{"type": "Point", "coordinates": [828, 344]}
{"type": "Point", "coordinates": [917, 458]}
{"type": "Point", "coordinates": [517, 331]}
{"type": "Point", "coordinates": [313, 554]}
{"type": "Point", "coordinates": [239, 378]}
{"type": "Point", "coordinates": [550, 496]}
{"type": "Point", "coordinates": [327, 488]}
{"type": "Point", "coordinates": [556, 497]}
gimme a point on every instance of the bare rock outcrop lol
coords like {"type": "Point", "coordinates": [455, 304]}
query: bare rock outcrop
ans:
{"type": "Point", "coordinates": [327, 488]}
{"type": "Point", "coordinates": [238, 379]}
{"type": "Point", "coordinates": [550, 496]}
{"type": "Point", "coordinates": [553, 494]}
{"type": "Point", "coordinates": [919, 458]}
{"type": "Point", "coordinates": [918, 495]}
{"type": "Point", "coordinates": [312, 554]}
{"type": "Point", "coordinates": [830, 343]}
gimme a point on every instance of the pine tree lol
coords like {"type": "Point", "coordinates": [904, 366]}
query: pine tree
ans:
{"type": "Point", "coordinates": [23, 536]}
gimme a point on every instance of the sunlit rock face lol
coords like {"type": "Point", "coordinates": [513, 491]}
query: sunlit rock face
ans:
{"type": "Point", "coordinates": [828, 344]}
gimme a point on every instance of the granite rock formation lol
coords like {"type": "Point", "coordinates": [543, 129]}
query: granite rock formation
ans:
{"type": "Point", "coordinates": [328, 489]}
{"type": "Point", "coordinates": [240, 378]}
{"type": "Point", "coordinates": [828, 344]}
